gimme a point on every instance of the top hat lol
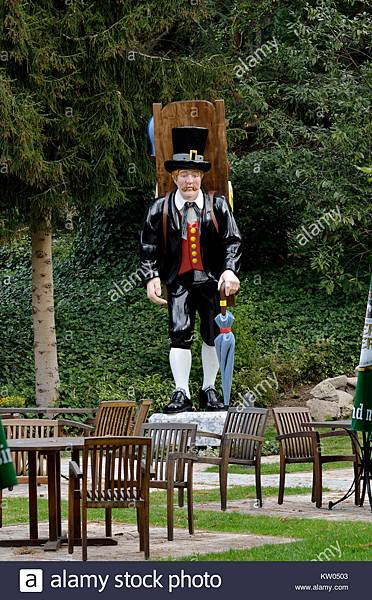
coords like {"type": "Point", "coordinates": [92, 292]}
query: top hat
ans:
{"type": "Point", "coordinates": [188, 149]}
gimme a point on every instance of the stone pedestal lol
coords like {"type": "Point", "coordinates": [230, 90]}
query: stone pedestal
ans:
{"type": "Point", "coordinates": [206, 421]}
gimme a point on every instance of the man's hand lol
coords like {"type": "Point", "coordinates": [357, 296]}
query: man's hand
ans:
{"type": "Point", "coordinates": [154, 291]}
{"type": "Point", "coordinates": [232, 283]}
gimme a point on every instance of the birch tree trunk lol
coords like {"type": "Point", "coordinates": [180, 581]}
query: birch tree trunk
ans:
{"type": "Point", "coordinates": [45, 343]}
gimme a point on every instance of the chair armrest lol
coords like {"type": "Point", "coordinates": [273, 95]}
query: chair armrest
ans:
{"type": "Point", "coordinates": [335, 433]}
{"type": "Point", "coordinates": [77, 424]}
{"type": "Point", "coordinates": [244, 436]}
{"type": "Point", "coordinates": [209, 434]}
{"type": "Point", "coordinates": [74, 470]}
{"type": "Point", "coordinates": [184, 455]}
{"type": "Point", "coordinates": [298, 434]}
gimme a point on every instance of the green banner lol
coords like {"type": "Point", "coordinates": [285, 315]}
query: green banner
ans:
{"type": "Point", "coordinates": [362, 411]}
{"type": "Point", "coordinates": [7, 472]}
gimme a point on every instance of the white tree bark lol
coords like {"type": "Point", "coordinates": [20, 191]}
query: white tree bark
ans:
{"type": "Point", "coordinates": [45, 343]}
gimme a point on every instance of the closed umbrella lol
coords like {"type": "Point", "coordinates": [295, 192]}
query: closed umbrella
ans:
{"type": "Point", "coordinates": [362, 411]}
{"type": "Point", "coordinates": [225, 346]}
{"type": "Point", "coordinates": [7, 472]}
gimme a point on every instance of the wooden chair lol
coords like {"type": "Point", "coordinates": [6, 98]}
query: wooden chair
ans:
{"type": "Point", "coordinates": [172, 463]}
{"type": "Point", "coordinates": [120, 418]}
{"type": "Point", "coordinates": [241, 443]}
{"type": "Point", "coordinates": [20, 428]}
{"type": "Point", "coordinates": [298, 445]}
{"type": "Point", "coordinates": [115, 474]}
{"type": "Point", "coordinates": [26, 429]}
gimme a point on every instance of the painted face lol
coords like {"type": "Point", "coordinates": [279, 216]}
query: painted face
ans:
{"type": "Point", "coordinates": [188, 182]}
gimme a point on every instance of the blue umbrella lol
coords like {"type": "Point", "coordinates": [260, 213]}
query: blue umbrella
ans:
{"type": "Point", "coordinates": [151, 135]}
{"type": "Point", "coordinates": [225, 348]}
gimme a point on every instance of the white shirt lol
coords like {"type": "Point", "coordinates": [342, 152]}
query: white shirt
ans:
{"type": "Point", "coordinates": [180, 200]}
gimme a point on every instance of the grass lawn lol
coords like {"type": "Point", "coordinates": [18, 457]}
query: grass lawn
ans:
{"type": "Point", "coordinates": [15, 509]}
{"type": "Point", "coordinates": [314, 536]}
{"type": "Point", "coordinates": [273, 469]}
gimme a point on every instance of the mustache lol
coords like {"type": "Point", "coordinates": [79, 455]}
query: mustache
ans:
{"type": "Point", "coordinates": [184, 188]}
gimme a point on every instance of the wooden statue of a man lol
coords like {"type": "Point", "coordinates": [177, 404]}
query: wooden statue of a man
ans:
{"type": "Point", "coordinates": [191, 243]}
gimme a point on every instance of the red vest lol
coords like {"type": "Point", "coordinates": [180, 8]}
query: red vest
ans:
{"type": "Point", "coordinates": [191, 255]}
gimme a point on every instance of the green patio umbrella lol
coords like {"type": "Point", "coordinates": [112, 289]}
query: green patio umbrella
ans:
{"type": "Point", "coordinates": [362, 412]}
{"type": "Point", "coordinates": [7, 472]}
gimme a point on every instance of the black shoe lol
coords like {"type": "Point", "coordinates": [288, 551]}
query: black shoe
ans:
{"type": "Point", "coordinates": [179, 403]}
{"type": "Point", "coordinates": [208, 400]}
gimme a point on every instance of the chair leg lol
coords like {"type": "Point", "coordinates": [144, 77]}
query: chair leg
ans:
{"type": "Point", "coordinates": [71, 531]}
{"type": "Point", "coordinates": [181, 497]}
{"type": "Point", "coordinates": [108, 522]}
{"type": "Point", "coordinates": [313, 489]}
{"type": "Point", "coordinates": [1, 508]}
{"type": "Point", "coordinates": [281, 480]}
{"type": "Point", "coordinates": [146, 529]}
{"type": "Point", "coordinates": [141, 526]}
{"type": "Point", "coordinates": [190, 512]}
{"type": "Point", "coordinates": [170, 494]}
{"type": "Point", "coordinates": [170, 498]}
{"type": "Point", "coordinates": [319, 484]}
{"type": "Point", "coordinates": [84, 541]}
{"type": "Point", "coordinates": [223, 485]}
{"type": "Point", "coordinates": [138, 520]}
{"type": "Point", "coordinates": [258, 482]}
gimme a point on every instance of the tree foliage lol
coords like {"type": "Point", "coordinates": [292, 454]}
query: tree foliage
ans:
{"type": "Point", "coordinates": [300, 130]}
{"type": "Point", "coordinates": [79, 80]}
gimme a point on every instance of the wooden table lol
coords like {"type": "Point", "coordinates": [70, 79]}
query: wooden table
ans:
{"type": "Point", "coordinates": [365, 470]}
{"type": "Point", "coordinates": [52, 447]}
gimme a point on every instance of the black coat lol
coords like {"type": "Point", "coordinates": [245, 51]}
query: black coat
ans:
{"type": "Point", "coordinates": [219, 250]}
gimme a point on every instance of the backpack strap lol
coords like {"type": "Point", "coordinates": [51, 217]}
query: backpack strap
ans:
{"type": "Point", "coordinates": [213, 216]}
{"type": "Point", "coordinates": [165, 218]}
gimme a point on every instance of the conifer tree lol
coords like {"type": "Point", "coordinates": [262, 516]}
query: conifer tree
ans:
{"type": "Point", "coordinates": [77, 81]}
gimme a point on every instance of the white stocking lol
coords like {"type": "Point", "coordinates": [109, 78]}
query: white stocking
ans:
{"type": "Point", "coordinates": [180, 363]}
{"type": "Point", "coordinates": [210, 365]}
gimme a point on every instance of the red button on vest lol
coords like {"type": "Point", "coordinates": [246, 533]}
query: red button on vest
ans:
{"type": "Point", "coordinates": [191, 256]}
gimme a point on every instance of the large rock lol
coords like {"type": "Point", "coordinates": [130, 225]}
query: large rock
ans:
{"type": "Point", "coordinates": [345, 403]}
{"type": "Point", "coordinates": [352, 381]}
{"type": "Point", "coordinates": [323, 410]}
{"type": "Point", "coordinates": [206, 421]}
{"type": "Point", "coordinates": [338, 382]}
{"type": "Point", "coordinates": [325, 391]}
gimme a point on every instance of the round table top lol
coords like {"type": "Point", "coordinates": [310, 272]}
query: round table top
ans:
{"type": "Point", "coordinates": [45, 444]}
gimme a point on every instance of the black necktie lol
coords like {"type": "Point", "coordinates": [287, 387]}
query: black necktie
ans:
{"type": "Point", "coordinates": [186, 207]}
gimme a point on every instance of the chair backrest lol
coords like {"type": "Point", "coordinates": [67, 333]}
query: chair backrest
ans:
{"type": "Point", "coordinates": [119, 472]}
{"type": "Point", "coordinates": [167, 438]}
{"type": "Point", "coordinates": [26, 429]}
{"type": "Point", "coordinates": [245, 420]}
{"type": "Point", "coordinates": [288, 419]}
{"type": "Point", "coordinates": [120, 418]}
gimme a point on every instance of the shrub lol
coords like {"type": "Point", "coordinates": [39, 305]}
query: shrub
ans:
{"type": "Point", "coordinates": [12, 401]}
